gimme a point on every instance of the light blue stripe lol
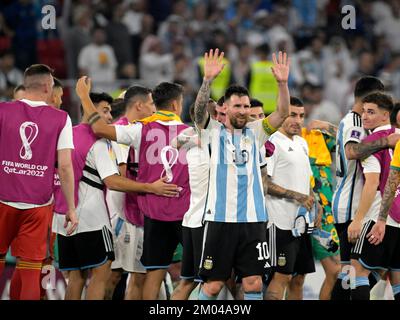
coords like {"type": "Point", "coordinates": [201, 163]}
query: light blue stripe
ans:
{"type": "Point", "coordinates": [253, 296]}
{"type": "Point", "coordinates": [118, 227]}
{"type": "Point", "coordinates": [342, 275]}
{"type": "Point", "coordinates": [157, 267]}
{"type": "Point", "coordinates": [340, 188]}
{"type": "Point", "coordinates": [259, 201]}
{"type": "Point", "coordinates": [220, 203]}
{"type": "Point", "coordinates": [242, 181]}
{"type": "Point", "coordinates": [362, 281]}
{"type": "Point", "coordinates": [376, 275]}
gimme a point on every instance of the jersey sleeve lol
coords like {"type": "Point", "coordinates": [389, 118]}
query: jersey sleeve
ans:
{"type": "Point", "coordinates": [65, 140]}
{"type": "Point", "coordinates": [262, 130]}
{"type": "Point", "coordinates": [395, 163]}
{"type": "Point", "coordinates": [129, 135]}
{"type": "Point", "coordinates": [371, 165]}
{"type": "Point", "coordinates": [272, 161]}
{"type": "Point", "coordinates": [105, 159]}
{"type": "Point", "coordinates": [352, 133]}
{"type": "Point", "coordinates": [121, 152]}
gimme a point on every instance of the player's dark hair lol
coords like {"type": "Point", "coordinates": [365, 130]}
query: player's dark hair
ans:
{"type": "Point", "coordinates": [221, 101]}
{"type": "Point", "coordinates": [393, 114]}
{"type": "Point", "coordinates": [165, 93]}
{"type": "Point", "coordinates": [237, 90]}
{"type": "Point", "coordinates": [255, 103]}
{"type": "Point", "coordinates": [383, 101]}
{"type": "Point", "coordinates": [296, 102]}
{"type": "Point", "coordinates": [37, 69]}
{"type": "Point", "coordinates": [134, 92]}
{"type": "Point", "coordinates": [57, 83]}
{"type": "Point", "coordinates": [367, 85]}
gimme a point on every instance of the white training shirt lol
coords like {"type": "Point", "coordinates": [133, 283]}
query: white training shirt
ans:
{"type": "Point", "coordinates": [65, 141]}
{"type": "Point", "coordinates": [236, 191]}
{"type": "Point", "coordinates": [348, 174]}
{"type": "Point", "coordinates": [198, 159]}
{"type": "Point", "coordinates": [289, 167]}
{"type": "Point", "coordinates": [91, 210]}
{"type": "Point", "coordinates": [116, 199]}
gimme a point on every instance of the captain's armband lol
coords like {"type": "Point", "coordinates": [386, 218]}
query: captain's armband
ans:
{"type": "Point", "coordinates": [268, 128]}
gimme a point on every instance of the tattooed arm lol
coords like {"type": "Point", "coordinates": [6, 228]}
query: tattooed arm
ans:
{"type": "Point", "coordinates": [325, 126]}
{"type": "Point", "coordinates": [356, 151]}
{"type": "Point", "coordinates": [277, 191]}
{"type": "Point", "coordinates": [213, 65]}
{"type": "Point", "coordinates": [378, 230]}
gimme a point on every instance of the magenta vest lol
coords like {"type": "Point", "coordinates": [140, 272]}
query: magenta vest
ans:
{"type": "Point", "coordinates": [384, 159]}
{"type": "Point", "coordinates": [28, 151]}
{"type": "Point", "coordinates": [383, 156]}
{"type": "Point", "coordinates": [155, 137]}
{"type": "Point", "coordinates": [84, 138]}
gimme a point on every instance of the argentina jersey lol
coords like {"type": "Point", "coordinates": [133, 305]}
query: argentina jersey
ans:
{"type": "Point", "coordinates": [235, 187]}
{"type": "Point", "coordinates": [348, 172]}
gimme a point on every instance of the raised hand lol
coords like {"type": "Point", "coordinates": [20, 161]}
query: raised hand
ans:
{"type": "Point", "coordinates": [280, 69]}
{"type": "Point", "coordinates": [83, 86]}
{"type": "Point", "coordinates": [213, 64]}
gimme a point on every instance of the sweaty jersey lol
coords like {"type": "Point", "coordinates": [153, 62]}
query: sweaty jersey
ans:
{"type": "Point", "coordinates": [236, 192]}
{"type": "Point", "coordinates": [348, 173]}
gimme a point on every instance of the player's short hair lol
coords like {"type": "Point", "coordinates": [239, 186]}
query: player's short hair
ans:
{"type": "Point", "coordinates": [117, 108]}
{"type": "Point", "coordinates": [296, 102]}
{"type": "Point", "coordinates": [165, 93]}
{"type": "Point", "coordinates": [383, 101]}
{"type": "Point", "coordinates": [367, 85]}
{"type": "Point", "coordinates": [38, 69]}
{"type": "Point", "coordinates": [255, 103]}
{"type": "Point", "coordinates": [221, 101]}
{"type": "Point", "coordinates": [97, 97]}
{"type": "Point", "coordinates": [191, 112]}
{"type": "Point", "coordinates": [57, 83]}
{"type": "Point", "coordinates": [134, 92]}
{"type": "Point", "coordinates": [19, 87]}
{"type": "Point", "coordinates": [237, 90]}
{"type": "Point", "coordinates": [393, 114]}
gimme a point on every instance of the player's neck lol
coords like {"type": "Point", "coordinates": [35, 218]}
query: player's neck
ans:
{"type": "Point", "coordinates": [32, 96]}
{"type": "Point", "coordinates": [357, 107]}
{"type": "Point", "coordinates": [290, 136]}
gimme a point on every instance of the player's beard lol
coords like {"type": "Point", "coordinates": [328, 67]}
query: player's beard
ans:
{"type": "Point", "coordinates": [238, 122]}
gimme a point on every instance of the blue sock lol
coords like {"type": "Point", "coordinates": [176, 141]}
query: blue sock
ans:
{"type": "Point", "coordinates": [253, 295]}
{"type": "Point", "coordinates": [203, 296]}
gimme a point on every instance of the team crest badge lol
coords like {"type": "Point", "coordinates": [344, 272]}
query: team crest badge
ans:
{"type": "Point", "coordinates": [208, 264]}
{"type": "Point", "coordinates": [281, 261]}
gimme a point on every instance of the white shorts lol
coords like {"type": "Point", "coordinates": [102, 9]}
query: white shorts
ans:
{"type": "Point", "coordinates": [128, 246]}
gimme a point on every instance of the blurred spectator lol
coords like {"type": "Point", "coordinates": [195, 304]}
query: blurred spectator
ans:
{"type": "Point", "coordinates": [388, 23]}
{"type": "Point", "coordinates": [5, 34]}
{"type": "Point", "coordinates": [21, 17]}
{"type": "Point", "coordinates": [155, 66]}
{"type": "Point", "coordinates": [391, 75]}
{"type": "Point", "coordinates": [119, 39]}
{"type": "Point", "coordinates": [366, 64]}
{"type": "Point", "coordinates": [170, 30]}
{"type": "Point", "coordinates": [320, 108]}
{"type": "Point", "coordinates": [97, 60]}
{"type": "Point", "coordinates": [136, 19]}
{"type": "Point", "coordinates": [241, 69]}
{"type": "Point", "coordinates": [10, 76]}
{"type": "Point", "coordinates": [77, 37]}
{"type": "Point", "coordinates": [261, 81]}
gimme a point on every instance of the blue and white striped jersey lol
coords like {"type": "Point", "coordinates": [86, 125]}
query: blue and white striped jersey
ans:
{"type": "Point", "coordinates": [348, 173]}
{"type": "Point", "coordinates": [235, 190]}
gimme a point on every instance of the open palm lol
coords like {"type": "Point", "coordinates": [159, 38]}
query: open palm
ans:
{"type": "Point", "coordinates": [281, 67]}
{"type": "Point", "coordinates": [213, 64]}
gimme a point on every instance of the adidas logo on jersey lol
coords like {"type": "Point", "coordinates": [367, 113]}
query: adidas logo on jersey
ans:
{"type": "Point", "coordinates": [290, 149]}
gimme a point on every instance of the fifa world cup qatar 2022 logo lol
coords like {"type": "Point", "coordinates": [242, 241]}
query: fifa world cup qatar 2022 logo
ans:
{"type": "Point", "coordinates": [28, 132]}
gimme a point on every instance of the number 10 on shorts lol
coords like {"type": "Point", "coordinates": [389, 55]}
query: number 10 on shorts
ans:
{"type": "Point", "coordinates": [263, 253]}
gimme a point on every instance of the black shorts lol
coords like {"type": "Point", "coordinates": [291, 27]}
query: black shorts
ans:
{"type": "Point", "coordinates": [192, 245]}
{"type": "Point", "coordinates": [289, 254]}
{"type": "Point", "coordinates": [241, 246]}
{"type": "Point", "coordinates": [160, 241]}
{"type": "Point", "coordinates": [385, 255]}
{"type": "Point", "coordinates": [345, 245]}
{"type": "Point", "coordinates": [85, 250]}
